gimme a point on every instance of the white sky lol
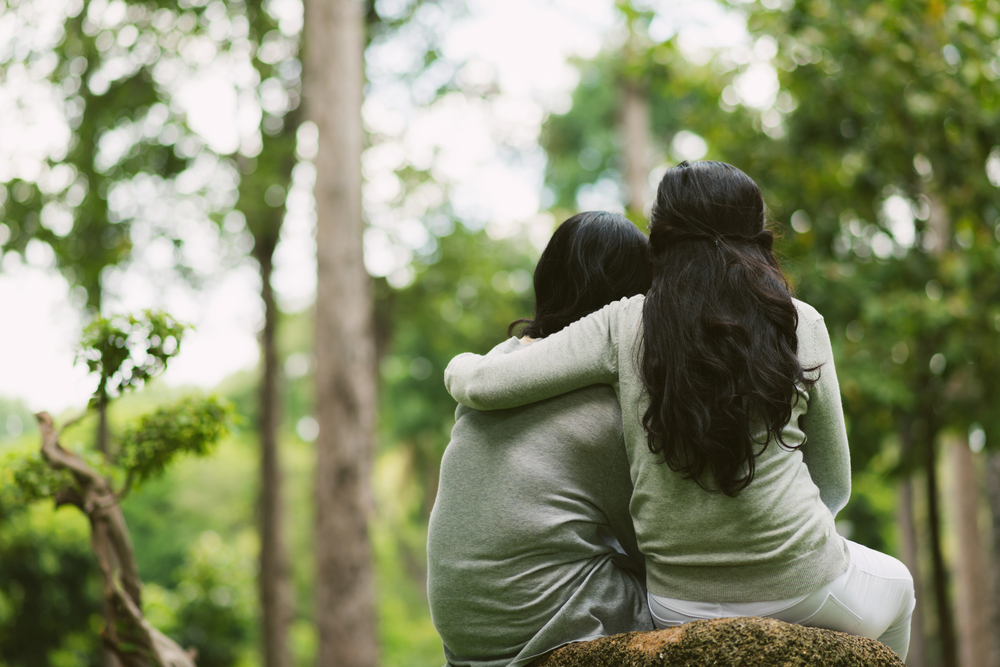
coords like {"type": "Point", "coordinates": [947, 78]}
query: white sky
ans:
{"type": "Point", "coordinates": [523, 45]}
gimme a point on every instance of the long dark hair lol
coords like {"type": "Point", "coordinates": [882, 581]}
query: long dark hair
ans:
{"type": "Point", "coordinates": [592, 259]}
{"type": "Point", "coordinates": [719, 355]}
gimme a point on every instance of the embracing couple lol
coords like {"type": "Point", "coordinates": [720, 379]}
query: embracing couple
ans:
{"type": "Point", "coordinates": [664, 443]}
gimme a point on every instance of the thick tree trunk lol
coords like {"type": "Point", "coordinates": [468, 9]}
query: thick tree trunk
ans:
{"type": "Point", "coordinates": [635, 132]}
{"type": "Point", "coordinates": [993, 491]}
{"type": "Point", "coordinates": [946, 628]}
{"type": "Point", "coordinates": [345, 382]}
{"type": "Point", "coordinates": [275, 593]}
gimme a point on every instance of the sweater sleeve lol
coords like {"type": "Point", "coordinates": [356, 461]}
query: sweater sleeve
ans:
{"type": "Point", "coordinates": [582, 354]}
{"type": "Point", "coordinates": [826, 452]}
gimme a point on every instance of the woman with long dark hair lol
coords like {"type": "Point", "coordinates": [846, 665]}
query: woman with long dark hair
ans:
{"type": "Point", "coordinates": [530, 544]}
{"type": "Point", "coordinates": [732, 419]}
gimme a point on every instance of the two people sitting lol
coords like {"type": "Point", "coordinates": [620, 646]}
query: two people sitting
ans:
{"type": "Point", "coordinates": [664, 443]}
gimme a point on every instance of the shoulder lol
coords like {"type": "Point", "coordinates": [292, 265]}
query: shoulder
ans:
{"type": "Point", "coordinates": [626, 311]}
{"type": "Point", "coordinates": [814, 340]}
{"type": "Point", "coordinates": [632, 303]}
{"type": "Point", "coordinates": [811, 323]}
{"type": "Point", "coordinates": [806, 312]}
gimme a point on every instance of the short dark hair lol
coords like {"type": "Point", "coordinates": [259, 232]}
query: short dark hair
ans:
{"type": "Point", "coordinates": [592, 259]}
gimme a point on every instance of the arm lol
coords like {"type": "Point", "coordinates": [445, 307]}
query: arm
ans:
{"type": "Point", "coordinates": [826, 452]}
{"type": "Point", "coordinates": [582, 354]}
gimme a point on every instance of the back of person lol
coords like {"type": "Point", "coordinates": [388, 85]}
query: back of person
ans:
{"type": "Point", "coordinates": [526, 535]}
{"type": "Point", "coordinates": [530, 544]}
{"type": "Point", "coordinates": [776, 539]}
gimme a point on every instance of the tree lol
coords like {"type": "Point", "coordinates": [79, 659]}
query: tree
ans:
{"type": "Point", "coordinates": [128, 136]}
{"type": "Point", "coordinates": [345, 359]}
{"type": "Point", "coordinates": [265, 176]}
{"type": "Point", "coordinates": [125, 352]}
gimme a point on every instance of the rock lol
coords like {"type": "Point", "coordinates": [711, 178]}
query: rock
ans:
{"type": "Point", "coordinates": [726, 642]}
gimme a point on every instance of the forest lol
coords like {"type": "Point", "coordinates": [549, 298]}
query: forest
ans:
{"type": "Point", "coordinates": [279, 518]}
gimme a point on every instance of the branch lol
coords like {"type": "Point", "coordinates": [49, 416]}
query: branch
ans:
{"type": "Point", "coordinates": [75, 420]}
{"type": "Point", "coordinates": [113, 547]}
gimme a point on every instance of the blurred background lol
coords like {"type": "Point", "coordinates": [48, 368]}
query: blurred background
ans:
{"type": "Point", "coordinates": [157, 155]}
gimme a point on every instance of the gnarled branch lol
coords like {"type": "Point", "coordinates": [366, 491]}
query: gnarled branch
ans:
{"type": "Point", "coordinates": [112, 545]}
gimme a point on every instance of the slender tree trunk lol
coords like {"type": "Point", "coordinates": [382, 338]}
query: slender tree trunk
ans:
{"type": "Point", "coordinates": [103, 446]}
{"type": "Point", "coordinates": [973, 595]}
{"type": "Point", "coordinates": [275, 593]}
{"type": "Point", "coordinates": [993, 491]}
{"type": "Point", "coordinates": [103, 432]}
{"type": "Point", "coordinates": [911, 557]}
{"type": "Point", "coordinates": [946, 628]}
{"type": "Point", "coordinates": [910, 551]}
{"type": "Point", "coordinates": [635, 132]}
{"type": "Point", "coordinates": [345, 382]}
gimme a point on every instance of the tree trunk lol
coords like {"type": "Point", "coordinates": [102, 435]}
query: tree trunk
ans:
{"type": "Point", "coordinates": [973, 595]}
{"type": "Point", "coordinates": [635, 132]}
{"type": "Point", "coordinates": [275, 593]}
{"type": "Point", "coordinates": [911, 557]}
{"type": "Point", "coordinates": [345, 382]}
{"type": "Point", "coordinates": [103, 432]}
{"type": "Point", "coordinates": [103, 442]}
{"type": "Point", "coordinates": [946, 628]}
{"type": "Point", "coordinates": [993, 491]}
{"type": "Point", "coordinates": [910, 548]}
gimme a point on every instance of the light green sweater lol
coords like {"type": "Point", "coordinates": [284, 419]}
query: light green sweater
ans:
{"type": "Point", "coordinates": [775, 540]}
{"type": "Point", "coordinates": [530, 544]}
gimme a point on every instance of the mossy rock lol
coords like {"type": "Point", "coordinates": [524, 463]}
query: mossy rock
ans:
{"type": "Point", "coordinates": [726, 642]}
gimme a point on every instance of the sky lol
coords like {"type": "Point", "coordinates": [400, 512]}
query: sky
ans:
{"type": "Point", "coordinates": [523, 46]}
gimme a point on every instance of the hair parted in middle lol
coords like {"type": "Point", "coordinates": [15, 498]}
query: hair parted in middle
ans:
{"type": "Point", "coordinates": [719, 353]}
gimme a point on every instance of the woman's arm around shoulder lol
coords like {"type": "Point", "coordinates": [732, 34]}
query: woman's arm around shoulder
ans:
{"type": "Point", "coordinates": [582, 354]}
{"type": "Point", "coordinates": [826, 451]}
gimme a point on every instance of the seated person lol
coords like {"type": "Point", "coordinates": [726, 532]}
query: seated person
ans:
{"type": "Point", "coordinates": [530, 544]}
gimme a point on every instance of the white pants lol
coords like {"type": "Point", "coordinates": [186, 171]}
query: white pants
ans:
{"type": "Point", "coordinates": [873, 598]}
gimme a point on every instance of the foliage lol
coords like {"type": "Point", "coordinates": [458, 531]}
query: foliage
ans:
{"type": "Point", "coordinates": [192, 425]}
{"type": "Point", "coordinates": [15, 421]}
{"type": "Point", "coordinates": [81, 200]}
{"type": "Point", "coordinates": [26, 478]}
{"type": "Point", "coordinates": [216, 612]}
{"type": "Point", "coordinates": [462, 298]}
{"type": "Point", "coordinates": [895, 114]}
{"type": "Point", "coordinates": [49, 602]}
{"type": "Point", "coordinates": [128, 351]}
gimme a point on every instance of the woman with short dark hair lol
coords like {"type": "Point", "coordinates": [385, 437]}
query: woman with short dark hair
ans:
{"type": "Point", "coordinates": [732, 419]}
{"type": "Point", "coordinates": [530, 544]}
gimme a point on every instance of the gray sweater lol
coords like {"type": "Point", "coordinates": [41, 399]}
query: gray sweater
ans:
{"type": "Point", "coordinates": [775, 540]}
{"type": "Point", "coordinates": [527, 539]}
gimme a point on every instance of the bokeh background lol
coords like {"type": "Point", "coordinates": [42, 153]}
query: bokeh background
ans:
{"type": "Point", "coordinates": [158, 155]}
